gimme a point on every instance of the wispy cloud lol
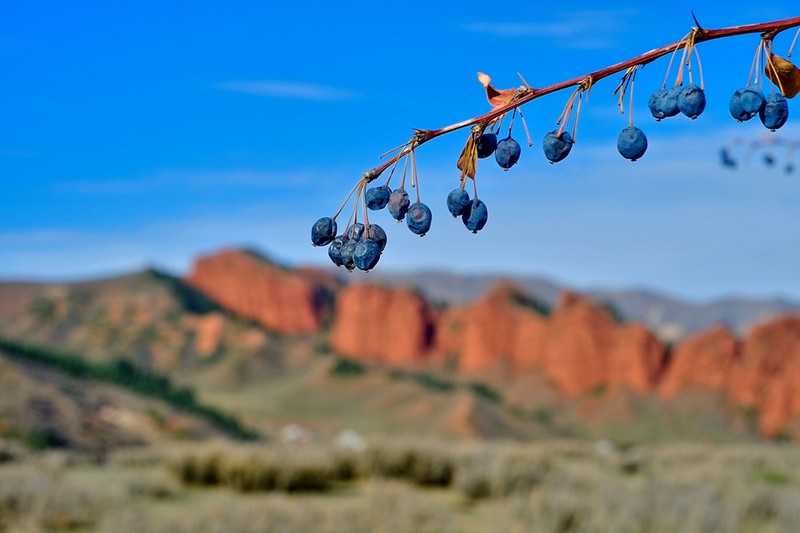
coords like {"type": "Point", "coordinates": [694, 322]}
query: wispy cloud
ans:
{"type": "Point", "coordinates": [46, 236]}
{"type": "Point", "coordinates": [591, 29]}
{"type": "Point", "coordinates": [188, 179]}
{"type": "Point", "coordinates": [290, 90]}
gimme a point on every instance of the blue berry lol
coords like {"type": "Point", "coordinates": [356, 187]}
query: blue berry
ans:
{"type": "Point", "coordinates": [335, 250]}
{"type": "Point", "coordinates": [632, 143]}
{"type": "Point", "coordinates": [746, 103]}
{"type": "Point", "coordinates": [348, 249]}
{"type": "Point", "coordinates": [457, 201]}
{"type": "Point", "coordinates": [692, 101]}
{"type": "Point", "coordinates": [377, 197]}
{"type": "Point", "coordinates": [487, 143]}
{"type": "Point", "coordinates": [419, 218]}
{"type": "Point", "coordinates": [769, 160]}
{"type": "Point", "coordinates": [654, 101]}
{"type": "Point", "coordinates": [556, 147]}
{"type": "Point", "coordinates": [727, 160]}
{"type": "Point", "coordinates": [376, 233]}
{"type": "Point", "coordinates": [366, 254]}
{"type": "Point", "coordinates": [398, 204]}
{"type": "Point", "coordinates": [663, 103]}
{"type": "Point", "coordinates": [323, 231]}
{"type": "Point", "coordinates": [507, 153]}
{"type": "Point", "coordinates": [736, 107]}
{"type": "Point", "coordinates": [355, 232]}
{"type": "Point", "coordinates": [475, 217]}
{"type": "Point", "coordinates": [775, 111]}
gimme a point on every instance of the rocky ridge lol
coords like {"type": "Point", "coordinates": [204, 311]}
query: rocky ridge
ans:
{"type": "Point", "coordinates": [579, 346]}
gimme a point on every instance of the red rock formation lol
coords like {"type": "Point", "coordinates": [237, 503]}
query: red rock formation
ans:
{"type": "Point", "coordinates": [579, 336]}
{"type": "Point", "coordinates": [703, 360]}
{"type": "Point", "coordinates": [768, 375]}
{"type": "Point", "coordinates": [636, 359]}
{"type": "Point", "coordinates": [528, 349]}
{"type": "Point", "coordinates": [578, 348]}
{"type": "Point", "coordinates": [393, 326]}
{"type": "Point", "coordinates": [498, 331]}
{"type": "Point", "coordinates": [282, 300]}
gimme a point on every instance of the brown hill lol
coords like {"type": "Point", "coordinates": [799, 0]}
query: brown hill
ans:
{"type": "Point", "coordinates": [283, 300]}
{"type": "Point", "coordinates": [373, 323]}
{"type": "Point", "coordinates": [579, 347]}
{"type": "Point", "coordinates": [43, 407]}
{"type": "Point", "coordinates": [149, 317]}
{"type": "Point", "coordinates": [578, 354]}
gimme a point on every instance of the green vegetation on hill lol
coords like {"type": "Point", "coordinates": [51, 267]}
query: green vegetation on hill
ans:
{"type": "Point", "coordinates": [130, 376]}
{"type": "Point", "coordinates": [190, 298]}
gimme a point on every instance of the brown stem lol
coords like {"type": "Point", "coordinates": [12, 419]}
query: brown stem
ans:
{"type": "Point", "coordinates": [528, 94]}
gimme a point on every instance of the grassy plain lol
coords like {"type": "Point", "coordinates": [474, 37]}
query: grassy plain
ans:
{"type": "Point", "coordinates": [396, 486]}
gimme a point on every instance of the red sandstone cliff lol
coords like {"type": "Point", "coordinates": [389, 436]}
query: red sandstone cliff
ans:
{"type": "Point", "coordinates": [283, 300]}
{"type": "Point", "coordinates": [372, 323]}
{"type": "Point", "coordinates": [578, 348]}
{"type": "Point", "coordinates": [703, 360]}
{"type": "Point", "coordinates": [768, 374]}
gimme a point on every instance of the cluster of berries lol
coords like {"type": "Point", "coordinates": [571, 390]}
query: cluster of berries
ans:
{"type": "Point", "coordinates": [360, 245]}
{"type": "Point", "coordinates": [742, 151]}
{"type": "Point", "coordinates": [748, 102]}
{"type": "Point", "coordinates": [689, 100]}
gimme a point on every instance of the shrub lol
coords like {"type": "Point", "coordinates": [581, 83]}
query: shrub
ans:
{"type": "Point", "coordinates": [343, 367]}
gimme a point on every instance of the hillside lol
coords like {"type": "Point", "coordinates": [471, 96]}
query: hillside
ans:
{"type": "Point", "coordinates": [44, 406]}
{"type": "Point", "coordinates": [579, 347]}
{"type": "Point", "coordinates": [669, 317]}
{"type": "Point", "coordinates": [275, 347]}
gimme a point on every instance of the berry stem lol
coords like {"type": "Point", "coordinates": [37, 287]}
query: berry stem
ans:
{"type": "Point", "coordinates": [525, 127]}
{"type": "Point", "coordinates": [405, 170]}
{"type": "Point", "coordinates": [354, 214]}
{"type": "Point", "coordinates": [566, 115]}
{"type": "Point", "coordinates": [577, 116]}
{"type": "Point", "coordinates": [414, 177]}
{"type": "Point", "coordinates": [700, 35]}
{"type": "Point", "coordinates": [699, 68]}
{"type": "Point", "coordinates": [394, 167]}
{"type": "Point", "coordinates": [360, 183]}
{"type": "Point", "coordinates": [689, 49]}
{"type": "Point", "coordinates": [754, 65]}
{"type": "Point", "coordinates": [511, 126]}
{"type": "Point", "coordinates": [672, 58]}
{"type": "Point", "coordinates": [630, 103]}
{"type": "Point", "coordinates": [774, 72]}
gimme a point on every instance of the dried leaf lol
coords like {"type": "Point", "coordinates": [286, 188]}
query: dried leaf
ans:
{"type": "Point", "coordinates": [497, 97]}
{"type": "Point", "coordinates": [784, 74]}
{"type": "Point", "coordinates": [468, 160]}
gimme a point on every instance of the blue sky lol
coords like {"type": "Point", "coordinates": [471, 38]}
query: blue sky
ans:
{"type": "Point", "coordinates": [147, 133]}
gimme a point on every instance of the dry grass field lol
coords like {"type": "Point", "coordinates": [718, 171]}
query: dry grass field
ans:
{"type": "Point", "coordinates": [405, 486]}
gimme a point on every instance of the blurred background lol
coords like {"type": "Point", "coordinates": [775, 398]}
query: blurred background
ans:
{"type": "Point", "coordinates": [617, 350]}
{"type": "Point", "coordinates": [140, 134]}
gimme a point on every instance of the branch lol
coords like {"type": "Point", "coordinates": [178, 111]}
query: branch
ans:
{"type": "Point", "coordinates": [768, 30]}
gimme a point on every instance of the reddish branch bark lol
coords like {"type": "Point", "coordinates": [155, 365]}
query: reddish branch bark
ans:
{"type": "Point", "coordinates": [768, 30]}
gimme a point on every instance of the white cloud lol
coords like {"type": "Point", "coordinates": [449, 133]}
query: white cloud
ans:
{"type": "Point", "coordinates": [290, 89]}
{"type": "Point", "coordinates": [170, 179]}
{"type": "Point", "coordinates": [676, 220]}
{"type": "Point", "coordinates": [40, 236]}
{"type": "Point", "coordinates": [590, 29]}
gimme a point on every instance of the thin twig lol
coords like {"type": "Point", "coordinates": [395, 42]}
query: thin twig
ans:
{"type": "Point", "coordinates": [700, 36]}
